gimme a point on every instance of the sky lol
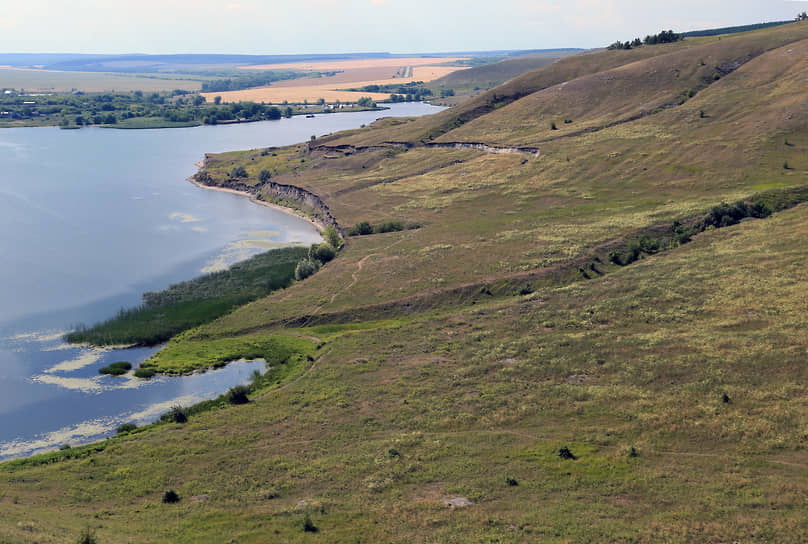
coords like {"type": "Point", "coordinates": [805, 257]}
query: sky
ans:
{"type": "Point", "coordinates": [341, 26]}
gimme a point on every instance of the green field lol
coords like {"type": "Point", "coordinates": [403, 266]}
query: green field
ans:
{"type": "Point", "coordinates": [440, 372]}
{"type": "Point", "coordinates": [95, 82]}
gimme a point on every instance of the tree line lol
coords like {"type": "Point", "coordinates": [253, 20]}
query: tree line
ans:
{"type": "Point", "coordinates": [666, 36]}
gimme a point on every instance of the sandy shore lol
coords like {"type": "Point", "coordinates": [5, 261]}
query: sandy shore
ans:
{"type": "Point", "coordinates": [319, 226]}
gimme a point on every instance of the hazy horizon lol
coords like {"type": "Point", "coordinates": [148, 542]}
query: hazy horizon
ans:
{"type": "Point", "coordinates": [359, 26]}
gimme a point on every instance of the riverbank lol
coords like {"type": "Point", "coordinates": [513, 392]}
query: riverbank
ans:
{"type": "Point", "coordinates": [254, 181]}
{"type": "Point", "coordinates": [253, 198]}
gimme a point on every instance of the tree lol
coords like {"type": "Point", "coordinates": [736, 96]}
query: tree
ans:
{"type": "Point", "coordinates": [217, 100]}
{"type": "Point", "coordinates": [802, 16]}
{"type": "Point", "coordinates": [287, 112]}
{"type": "Point", "coordinates": [366, 102]}
{"type": "Point", "coordinates": [333, 238]}
{"type": "Point", "coordinates": [238, 172]}
{"type": "Point", "coordinates": [264, 176]}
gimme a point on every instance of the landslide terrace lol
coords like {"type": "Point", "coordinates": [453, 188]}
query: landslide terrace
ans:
{"type": "Point", "coordinates": [455, 360]}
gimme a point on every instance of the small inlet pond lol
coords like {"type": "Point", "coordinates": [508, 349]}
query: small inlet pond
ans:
{"type": "Point", "coordinates": [91, 219]}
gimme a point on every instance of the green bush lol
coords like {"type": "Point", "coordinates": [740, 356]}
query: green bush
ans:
{"type": "Point", "coordinates": [177, 414]}
{"type": "Point", "coordinates": [332, 237]}
{"type": "Point", "coordinates": [116, 369]}
{"type": "Point", "coordinates": [264, 176]}
{"type": "Point", "coordinates": [126, 428]}
{"type": "Point", "coordinates": [361, 229]}
{"type": "Point", "coordinates": [390, 226]}
{"type": "Point", "coordinates": [238, 395]}
{"type": "Point", "coordinates": [144, 373]}
{"type": "Point", "coordinates": [306, 268]}
{"type": "Point", "coordinates": [565, 453]}
{"type": "Point", "coordinates": [170, 497]}
{"type": "Point", "coordinates": [322, 252]}
{"type": "Point", "coordinates": [238, 172]}
{"type": "Point", "coordinates": [308, 525]}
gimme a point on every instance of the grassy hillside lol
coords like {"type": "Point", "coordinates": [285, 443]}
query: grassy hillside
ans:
{"type": "Point", "coordinates": [455, 362]}
{"type": "Point", "coordinates": [496, 73]}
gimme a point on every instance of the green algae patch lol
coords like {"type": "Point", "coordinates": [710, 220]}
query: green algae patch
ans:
{"type": "Point", "coordinates": [184, 355]}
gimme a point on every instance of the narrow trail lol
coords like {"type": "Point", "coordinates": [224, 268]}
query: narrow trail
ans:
{"type": "Point", "coordinates": [354, 277]}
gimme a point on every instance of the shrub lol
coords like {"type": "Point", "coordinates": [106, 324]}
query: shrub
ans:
{"type": "Point", "coordinates": [308, 525]}
{"type": "Point", "coordinates": [632, 452]}
{"type": "Point", "coordinates": [170, 497]}
{"type": "Point", "coordinates": [511, 481]}
{"type": "Point", "coordinates": [361, 229]}
{"type": "Point", "coordinates": [238, 172]}
{"type": "Point", "coordinates": [565, 453]}
{"type": "Point", "coordinates": [177, 414]}
{"type": "Point", "coordinates": [306, 268]}
{"type": "Point", "coordinates": [725, 398]}
{"type": "Point", "coordinates": [390, 226]}
{"type": "Point", "coordinates": [126, 428]}
{"type": "Point", "coordinates": [116, 369]}
{"type": "Point", "coordinates": [264, 176]}
{"type": "Point", "coordinates": [332, 237]}
{"type": "Point", "coordinates": [786, 166]}
{"type": "Point", "coordinates": [238, 395]}
{"type": "Point", "coordinates": [322, 252]}
{"type": "Point", "coordinates": [144, 373]}
{"type": "Point", "coordinates": [553, 126]}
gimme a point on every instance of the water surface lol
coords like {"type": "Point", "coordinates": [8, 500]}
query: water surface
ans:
{"type": "Point", "coordinates": [91, 219]}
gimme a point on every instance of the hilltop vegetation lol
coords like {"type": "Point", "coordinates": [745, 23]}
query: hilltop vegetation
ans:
{"type": "Point", "coordinates": [601, 342]}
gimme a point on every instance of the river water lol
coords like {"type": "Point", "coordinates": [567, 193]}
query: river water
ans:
{"type": "Point", "coordinates": [92, 218]}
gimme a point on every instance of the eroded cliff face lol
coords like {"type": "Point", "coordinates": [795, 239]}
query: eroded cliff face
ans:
{"type": "Point", "coordinates": [289, 196]}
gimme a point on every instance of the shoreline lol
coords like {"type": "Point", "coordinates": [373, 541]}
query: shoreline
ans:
{"type": "Point", "coordinates": [289, 211]}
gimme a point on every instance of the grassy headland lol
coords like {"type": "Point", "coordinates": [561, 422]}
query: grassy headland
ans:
{"type": "Point", "coordinates": [457, 361]}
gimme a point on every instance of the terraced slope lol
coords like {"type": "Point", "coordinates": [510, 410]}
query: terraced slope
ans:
{"type": "Point", "coordinates": [452, 363]}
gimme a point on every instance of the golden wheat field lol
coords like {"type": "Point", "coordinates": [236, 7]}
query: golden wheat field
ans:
{"type": "Point", "coordinates": [351, 74]}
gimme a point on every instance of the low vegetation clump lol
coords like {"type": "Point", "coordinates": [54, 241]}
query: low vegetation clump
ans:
{"type": "Point", "coordinates": [238, 395]}
{"type": "Point", "coordinates": [188, 304]}
{"type": "Point", "coordinates": [177, 414]}
{"type": "Point", "coordinates": [144, 373]}
{"type": "Point", "coordinates": [308, 525]}
{"type": "Point", "coordinates": [323, 253]}
{"type": "Point", "coordinates": [364, 228]}
{"type": "Point", "coordinates": [305, 268]}
{"type": "Point", "coordinates": [116, 369]}
{"type": "Point", "coordinates": [126, 428]}
{"type": "Point", "coordinates": [170, 497]}
{"type": "Point", "coordinates": [565, 453]}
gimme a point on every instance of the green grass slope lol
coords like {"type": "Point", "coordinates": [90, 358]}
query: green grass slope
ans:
{"type": "Point", "coordinates": [454, 362]}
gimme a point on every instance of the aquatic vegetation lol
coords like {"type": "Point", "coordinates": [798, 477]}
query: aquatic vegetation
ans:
{"type": "Point", "coordinates": [116, 369]}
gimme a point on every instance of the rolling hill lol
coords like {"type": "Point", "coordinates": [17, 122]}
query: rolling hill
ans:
{"type": "Point", "coordinates": [593, 333]}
